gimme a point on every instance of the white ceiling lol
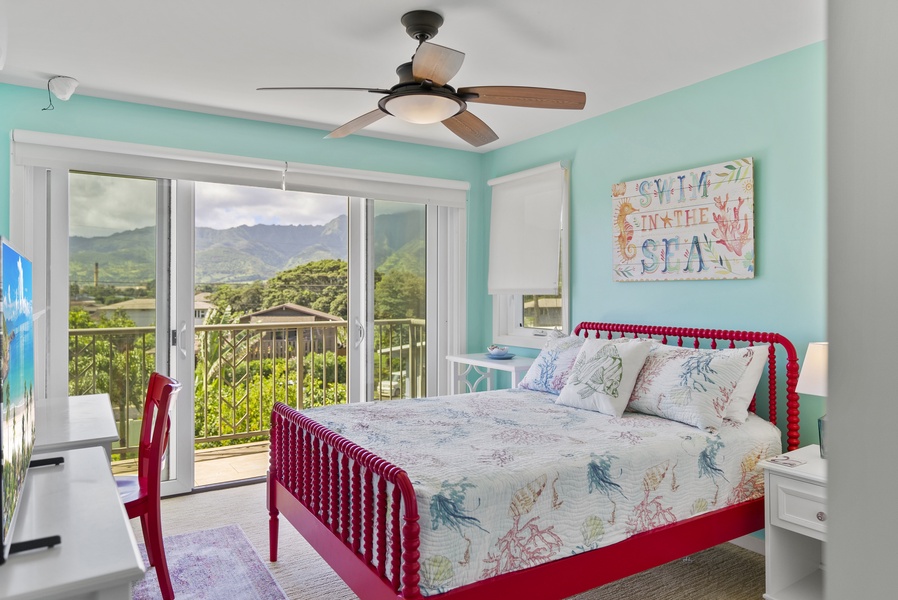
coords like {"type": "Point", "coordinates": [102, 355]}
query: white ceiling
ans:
{"type": "Point", "coordinates": [211, 55]}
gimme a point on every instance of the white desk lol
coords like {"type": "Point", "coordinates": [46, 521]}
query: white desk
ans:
{"type": "Point", "coordinates": [98, 557]}
{"type": "Point", "coordinates": [461, 365]}
{"type": "Point", "coordinates": [75, 422]}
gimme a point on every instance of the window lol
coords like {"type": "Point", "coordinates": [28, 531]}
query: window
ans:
{"type": "Point", "coordinates": [528, 269]}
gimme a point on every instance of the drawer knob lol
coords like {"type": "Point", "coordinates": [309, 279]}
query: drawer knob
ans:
{"type": "Point", "coordinates": [821, 516]}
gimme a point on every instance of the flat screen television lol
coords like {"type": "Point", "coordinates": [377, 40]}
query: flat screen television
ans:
{"type": "Point", "coordinates": [16, 385]}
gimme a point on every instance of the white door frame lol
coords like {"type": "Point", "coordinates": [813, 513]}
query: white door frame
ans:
{"type": "Point", "coordinates": [180, 277]}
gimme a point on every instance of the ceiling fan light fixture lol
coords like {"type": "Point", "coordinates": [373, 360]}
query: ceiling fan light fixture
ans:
{"type": "Point", "coordinates": [422, 108]}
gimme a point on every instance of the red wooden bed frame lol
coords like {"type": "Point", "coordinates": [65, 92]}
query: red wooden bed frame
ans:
{"type": "Point", "coordinates": [334, 492]}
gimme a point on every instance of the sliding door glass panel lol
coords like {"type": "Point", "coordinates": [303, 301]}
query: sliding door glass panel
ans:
{"type": "Point", "coordinates": [269, 317]}
{"type": "Point", "coordinates": [399, 264]}
{"type": "Point", "coordinates": [112, 297]}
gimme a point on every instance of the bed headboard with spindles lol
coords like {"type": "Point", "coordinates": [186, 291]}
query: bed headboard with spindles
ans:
{"type": "Point", "coordinates": [714, 338]}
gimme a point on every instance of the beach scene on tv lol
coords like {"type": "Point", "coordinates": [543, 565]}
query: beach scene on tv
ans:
{"type": "Point", "coordinates": [16, 381]}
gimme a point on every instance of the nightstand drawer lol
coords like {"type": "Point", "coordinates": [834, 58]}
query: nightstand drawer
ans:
{"type": "Point", "coordinates": [798, 506]}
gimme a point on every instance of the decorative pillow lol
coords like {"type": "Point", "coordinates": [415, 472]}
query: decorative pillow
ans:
{"type": "Point", "coordinates": [549, 372]}
{"type": "Point", "coordinates": [693, 386]}
{"type": "Point", "coordinates": [603, 375]}
{"type": "Point", "coordinates": [737, 410]}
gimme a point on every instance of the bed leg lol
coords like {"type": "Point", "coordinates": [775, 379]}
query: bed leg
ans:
{"type": "Point", "coordinates": [273, 537]}
{"type": "Point", "coordinates": [273, 521]}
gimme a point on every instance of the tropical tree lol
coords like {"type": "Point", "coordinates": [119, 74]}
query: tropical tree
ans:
{"type": "Point", "coordinates": [400, 294]}
{"type": "Point", "coordinates": [321, 285]}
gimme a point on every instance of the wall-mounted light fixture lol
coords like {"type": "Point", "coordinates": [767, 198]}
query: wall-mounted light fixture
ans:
{"type": "Point", "coordinates": [62, 87]}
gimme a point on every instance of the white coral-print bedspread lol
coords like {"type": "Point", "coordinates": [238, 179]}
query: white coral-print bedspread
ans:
{"type": "Point", "coordinates": [507, 479]}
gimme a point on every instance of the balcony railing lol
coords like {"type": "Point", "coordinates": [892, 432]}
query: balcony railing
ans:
{"type": "Point", "coordinates": [241, 370]}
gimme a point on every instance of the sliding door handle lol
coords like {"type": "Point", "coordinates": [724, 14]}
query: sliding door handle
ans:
{"type": "Point", "coordinates": [360, 333]}
{"type": "Point", "coordinates": [182, 339]}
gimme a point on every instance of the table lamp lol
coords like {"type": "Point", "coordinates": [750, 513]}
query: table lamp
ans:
{"type": "Point", "coordinates": [812, 380]}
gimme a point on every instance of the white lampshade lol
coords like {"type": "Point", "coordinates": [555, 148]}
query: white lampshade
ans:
{"type": "Point", "coordinates": [813, 376]}
{"type": "Point", "coordinates": [62, 87]}
{"type": "Point", "coordinates": [422, 108]}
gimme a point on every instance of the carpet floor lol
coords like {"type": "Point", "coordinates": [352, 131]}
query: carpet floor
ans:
{"type": "Point", "coordinates": [203, 563]}
{"type": "Point", "coordinates": [725, 572]}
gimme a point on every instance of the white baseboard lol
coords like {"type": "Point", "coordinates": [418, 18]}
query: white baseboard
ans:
{"type": "Point", "coordinates": [750, 542]}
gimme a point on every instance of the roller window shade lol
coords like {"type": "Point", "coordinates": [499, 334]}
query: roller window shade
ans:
{"type": "Point", "coordinates": [526, 225]}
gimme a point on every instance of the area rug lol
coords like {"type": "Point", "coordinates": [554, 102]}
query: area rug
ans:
{"type": "Point", "coordinates": [211, 564]}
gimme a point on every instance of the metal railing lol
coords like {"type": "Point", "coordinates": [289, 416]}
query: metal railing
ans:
{"type": "Point", "coordinates": [242, 370]}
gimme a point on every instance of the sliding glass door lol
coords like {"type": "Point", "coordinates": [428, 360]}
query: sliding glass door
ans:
{"type": "Point", "coordinates": [246, 294]}
{"type": "Point", "coordinates": [398, 264]}
{"type": "Point", "coordinates": [271, 295]}
{"type": "Point", "coordinates": [122, 317]}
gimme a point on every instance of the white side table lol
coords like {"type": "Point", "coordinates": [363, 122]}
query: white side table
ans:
{"type": "Point", "coordinates": [795, 525]}
{"type": "Point", "coordinates": [462, 365]}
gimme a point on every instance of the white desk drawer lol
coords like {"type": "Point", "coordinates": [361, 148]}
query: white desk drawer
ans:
{"type": "Point", "coordinates": [798, 506]}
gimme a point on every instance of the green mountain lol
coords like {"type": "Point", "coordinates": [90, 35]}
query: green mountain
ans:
{"type": "Point", "coordinates": [243, 254]}
{"type": "Point", "coordinates": [258, 252]}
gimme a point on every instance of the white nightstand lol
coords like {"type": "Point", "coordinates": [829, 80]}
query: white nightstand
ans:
{"type": "Point", "coordinates": [795, 526]}
{"type": "Point", "coordinates": [461, 365]}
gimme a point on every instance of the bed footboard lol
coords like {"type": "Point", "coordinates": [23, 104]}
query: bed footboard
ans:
{"type": "Point", "coordinates": [353, 503]}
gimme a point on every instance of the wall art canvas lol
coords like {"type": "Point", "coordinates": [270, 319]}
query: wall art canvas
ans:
{"type": "Point", "coordinates": [690, 225]}
{"type": "Point", "coordinates": [17, 411]}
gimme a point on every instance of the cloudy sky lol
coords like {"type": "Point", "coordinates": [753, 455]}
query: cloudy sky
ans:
{"type": "Point", "coordinates": [103, 205]}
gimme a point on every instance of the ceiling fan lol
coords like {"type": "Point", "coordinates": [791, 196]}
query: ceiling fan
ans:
{"type": "Point", "coordinates": [423, 95]}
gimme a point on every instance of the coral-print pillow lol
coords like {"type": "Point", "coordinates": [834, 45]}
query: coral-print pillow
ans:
{"type": "Point", "coordinates": [550, 370]}
{"type": "Point", "coordinates": [603, 375]}
{"type": "Point", "coordinates": [745, 391]}
{"type": "Point", "coordinates": [692, 386]}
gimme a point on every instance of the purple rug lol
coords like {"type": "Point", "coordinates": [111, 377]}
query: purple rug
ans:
{"type": "Point", "coordinates": [212, 563]}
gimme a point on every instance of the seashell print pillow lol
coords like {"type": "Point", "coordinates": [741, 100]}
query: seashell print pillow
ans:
{"type": "Point", "coordinates": [692, 386]}
{"type": "Point", "coordinates": [603, 375]}
{"type": "Point", "coordinates": [549, 372]}
{"type": "Point", "coordinates": [737, 410]}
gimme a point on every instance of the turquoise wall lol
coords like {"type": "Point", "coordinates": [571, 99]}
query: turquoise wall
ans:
{"type": "Point", "coordinates": [772, 111]}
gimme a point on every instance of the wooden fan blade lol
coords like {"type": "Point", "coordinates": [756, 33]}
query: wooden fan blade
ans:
{"type": "Point", "coordinates": [471, 129]}
{"type": "Point", "coordinates": [356, 124]}
{"type": "Point", "coordinates": [533, 97]}
{"type": "Point", "coordinates": [357, 89]}
{"type": "Point", "coordinates": [436, 63]}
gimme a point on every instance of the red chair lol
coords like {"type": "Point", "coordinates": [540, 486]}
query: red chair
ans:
{"type": "Point", "coordinates": [141, 494]}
